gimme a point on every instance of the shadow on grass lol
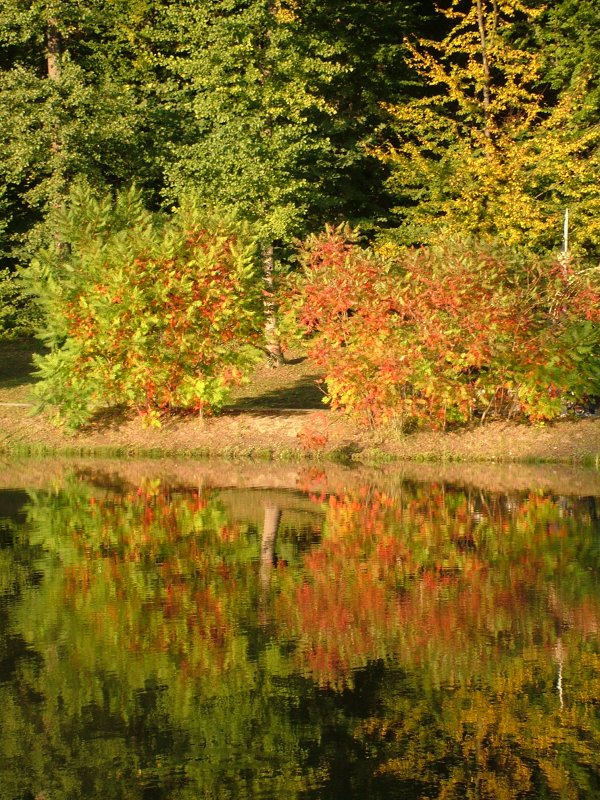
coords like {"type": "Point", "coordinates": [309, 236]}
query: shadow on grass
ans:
{"type": "Point", "coordinates": [106, 419]}
{"type": "Point", "coordinates": [274, 394]}
{"type": "Point", "coordinates": [16, 366]}
{"type": "Point", "coordinates": [293, 398]}
{"type": "Point", "coordinates": [303, 394]}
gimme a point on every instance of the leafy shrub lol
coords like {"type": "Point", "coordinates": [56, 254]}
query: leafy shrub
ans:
{"type": "Point", "coordinates": [442, 334]}
{"type": "Point", "coordinates": [143, 311]}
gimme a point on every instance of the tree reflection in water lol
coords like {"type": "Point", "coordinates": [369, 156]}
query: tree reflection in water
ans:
{"type": "Point", "coordinates": [336, 641]}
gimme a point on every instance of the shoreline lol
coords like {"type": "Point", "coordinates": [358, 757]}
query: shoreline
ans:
{"type": "Point", "coordinates": [278, 416]}
{"type": "Point", "coordinates": [557, 479]}
{"type": "Point", "coordinates": [297, 435]}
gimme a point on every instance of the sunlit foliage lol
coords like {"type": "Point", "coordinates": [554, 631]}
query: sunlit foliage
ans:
{"type": "Point", "coordinates": [447, 333]}
{"type": "Point", "coordinates": [143, 312]}
{"type": "Point", "coordinates": [486, 151]}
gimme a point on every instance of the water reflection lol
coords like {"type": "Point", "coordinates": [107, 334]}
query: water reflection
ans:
{"type": "Point", "coordinates": [337, 639]}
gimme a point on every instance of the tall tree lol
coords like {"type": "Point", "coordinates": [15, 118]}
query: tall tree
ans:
{"type": "Point", "coordinates": [486, 152]}
{"type": "Point", "coordinates": [81, 100]}
{"type": "Point", "coordinates": [253, 75]}
{"type": "Point", "coordinates": [77, 101]}
{"type": "Point", "coordinates": [371, 37]}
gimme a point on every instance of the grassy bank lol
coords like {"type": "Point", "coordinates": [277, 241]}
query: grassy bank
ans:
{"type": "Point", "coordinates": [278, 416]}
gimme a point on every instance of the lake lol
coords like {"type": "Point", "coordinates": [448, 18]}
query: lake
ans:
{"type": "Point", "coordinates": [184, 631]}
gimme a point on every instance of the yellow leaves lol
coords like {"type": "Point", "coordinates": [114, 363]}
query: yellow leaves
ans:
{"type": "Point", "coordinates": [492, 8]}
{"type": "Point", "coordinates": [513, 6]}
{"type": "Point", "coordinates": [484, 155]}
{"type": "Point", "coordinates": [285, 12]}
{"type": "Point", "coordinates": [464, 60]}
{"type": "Point", "coordinates": [387, 250]}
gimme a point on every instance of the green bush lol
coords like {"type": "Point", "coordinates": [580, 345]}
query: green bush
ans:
{"type": "Point", "coordinates": [17, 312]}
{"type": "Point", "coordinates": [142, 311]}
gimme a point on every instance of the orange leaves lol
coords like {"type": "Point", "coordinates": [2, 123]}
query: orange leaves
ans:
{"type": "Point", "coordinates": [442, 335]}
{"type": "Point", "coordinates": [313, 435]}
{"type": "Point", "coordinates": [436, 571]}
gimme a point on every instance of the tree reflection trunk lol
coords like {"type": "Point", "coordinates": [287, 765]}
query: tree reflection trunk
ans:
{"type": "Point", "coordinates": [271, 522]}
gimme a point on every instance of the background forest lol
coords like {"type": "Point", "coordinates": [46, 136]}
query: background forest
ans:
{"type": "Point", "coordinates": [169, 168]}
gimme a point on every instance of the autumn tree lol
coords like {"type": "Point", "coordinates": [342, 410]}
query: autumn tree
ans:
{"type": "Point", "coordinates": [144, 311]}
{"type": "Point", "coordinates": [445, 333]}
{"type": "Point", "coordinates": [485, 152]}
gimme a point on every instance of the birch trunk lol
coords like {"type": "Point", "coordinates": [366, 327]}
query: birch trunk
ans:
{"type": "Point", "coordinates": [272, 343]}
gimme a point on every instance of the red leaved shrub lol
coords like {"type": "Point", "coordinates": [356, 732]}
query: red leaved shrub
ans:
{"type": "Point", "coordinates": [443, 334]}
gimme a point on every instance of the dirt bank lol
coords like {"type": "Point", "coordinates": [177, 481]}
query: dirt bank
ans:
{"type": "Point", "coordinates": [294, 433]}
{"type": "Point", "coordinates": [278, 414]}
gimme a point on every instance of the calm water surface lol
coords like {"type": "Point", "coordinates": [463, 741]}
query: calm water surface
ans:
{"type": "Point", "coordinates": [333, 639]}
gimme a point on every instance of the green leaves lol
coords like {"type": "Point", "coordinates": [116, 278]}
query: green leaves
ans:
{"type": "Point", "coordinates": [254, 79]}
{"type": "Point", "coordinates": [89, 116]}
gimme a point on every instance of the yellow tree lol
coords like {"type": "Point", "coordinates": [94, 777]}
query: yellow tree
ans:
{"type": "Point", "coordinates": [484, 152]}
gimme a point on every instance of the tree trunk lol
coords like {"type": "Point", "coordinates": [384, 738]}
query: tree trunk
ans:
{"type": "Point", "coordinates": [53, 54]}
{"type": "Point", "coordinates": [273, 345]}
{"type": "Point", "coordinates": [53, 68]}
{"type": "Point", "coordinates": [53, 50]}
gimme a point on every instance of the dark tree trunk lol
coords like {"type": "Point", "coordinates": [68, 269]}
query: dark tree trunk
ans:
{"type": "Point", "coordinates": [486, 68]}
